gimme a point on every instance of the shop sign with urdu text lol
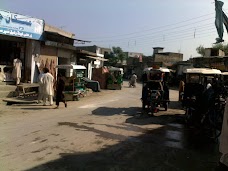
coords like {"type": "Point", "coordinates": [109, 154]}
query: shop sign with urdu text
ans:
{"type": "Point", "coordinates": [13, 24]}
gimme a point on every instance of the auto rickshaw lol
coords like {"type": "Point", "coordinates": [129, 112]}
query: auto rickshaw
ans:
{"type": "Point", "coordinates": [203, 103]}
{"type": "Point", "coordinates": [115, 78]}
{"type": "Point", "coordinates": [196, 80]}
{"type": "Point", "coordinates": [74, 84]}
{"type": "Point", "coordinates": [155, 91]}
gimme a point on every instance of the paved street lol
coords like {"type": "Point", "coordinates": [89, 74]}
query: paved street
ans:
{"type": "Point", "coordinates": [103, 131]}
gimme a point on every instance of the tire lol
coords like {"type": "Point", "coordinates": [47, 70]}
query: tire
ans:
{"type": "Point", "coordinates": [215, 123]}
{"type": "Point", "coordinates": [188, 116]}
{"type": "Point", "coordinates": [152, 108]}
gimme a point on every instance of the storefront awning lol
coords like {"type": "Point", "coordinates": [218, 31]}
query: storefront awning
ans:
{"type": "Point", "coordinates": [70, 66]}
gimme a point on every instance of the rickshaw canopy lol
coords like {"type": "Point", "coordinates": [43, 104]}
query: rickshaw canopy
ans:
{"type": "Point", "coordinates": [147, 69]}
{"type": "Point", "coordinates": [164, 69]}
{"type": "Point", "coordinates": [70, 66]}
{"type": "Point", "coordinates": [116, 69]}
{"type": "Point", "coordinates": [206, 71]}
{"type": "Point", "coordinates": [161, 69]}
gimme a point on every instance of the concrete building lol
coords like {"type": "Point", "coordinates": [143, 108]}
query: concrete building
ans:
{"type": "Point", "coordinates": [132, 63]}
{"type": "Point", "coordinates": [38, 45]}
{"type": "Point", "coordinates": [99, 51]}
{"type": "Point", "coordinates": [215, 62]}
{"type": "Point", "coordinates": [214, 58]}
{"type": "Point", "coordinates": [168, 58]}
{"type": "Point", "coordinates": [55, 48]}
{"type": "Point", "coordinates": [214, 52]}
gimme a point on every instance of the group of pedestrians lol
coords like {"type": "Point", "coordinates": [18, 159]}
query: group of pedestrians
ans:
{"type": "Point", "coordinates": [47, 88]}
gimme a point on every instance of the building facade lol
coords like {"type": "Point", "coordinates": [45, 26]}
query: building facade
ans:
{"type": "Point", "coordinates": [19, 37]}
{"type": "Point", "coordinates": [100, 53]}
{"type": "Point", "coordinates": [57, 48]}
{"type": "Point", "coordinates": [168, 58]}
{"type": "Point", "coordinates": [214, 58]}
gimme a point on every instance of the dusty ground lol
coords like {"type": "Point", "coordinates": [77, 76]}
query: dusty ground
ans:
{"type": "Point", "coordinates": [104, 131]}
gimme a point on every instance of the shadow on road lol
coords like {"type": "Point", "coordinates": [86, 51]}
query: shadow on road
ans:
{"type": "Point", "coordinates": [175, 105]}
{"type": "Point", "coordinates": [169, 147]}
{"type": "Point", "coordinates": [107, 111]}
{"type": "Point", "coordinates": [37, 108]}
{"type": "Point", "coordinates": [159, 120]}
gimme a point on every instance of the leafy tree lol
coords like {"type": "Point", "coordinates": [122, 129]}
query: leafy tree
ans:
{"type": "Point", "coordinates": [200, 50]}
{"type": "Point", "coordinates": [115, 56]}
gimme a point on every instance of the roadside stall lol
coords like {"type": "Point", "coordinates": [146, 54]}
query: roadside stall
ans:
{"type": "Point", "coordinates": [115, 78]}
{"type": "Point", "coordinates": [74, 84]}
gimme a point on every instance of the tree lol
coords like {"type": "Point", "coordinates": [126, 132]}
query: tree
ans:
{"type": "Point", "coordinates": [200, 50]}
{"type": "Point", "coordinates": [117, 55]}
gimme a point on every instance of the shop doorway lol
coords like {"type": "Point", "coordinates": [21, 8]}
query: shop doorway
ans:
{"type": "Point", "coordinates": [9, 51]}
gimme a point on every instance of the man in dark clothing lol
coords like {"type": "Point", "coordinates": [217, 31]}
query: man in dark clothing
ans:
{"type": "Point", "coordinates": [144, 96]}
{"type": "Point", "coordinates": [144, 77]}
{"type": "Point", "coordinates": [166, 91]}
{"type": "Point", "coordinates": [60, 86]}
{"type": "Point", "coordinates": [217, 86]}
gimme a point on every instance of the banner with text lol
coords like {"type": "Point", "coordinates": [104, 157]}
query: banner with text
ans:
{"type": "Point", "coordinates": [13, 24]}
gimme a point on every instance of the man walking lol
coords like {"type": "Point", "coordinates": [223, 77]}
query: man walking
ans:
{"type": "Point", "coordinates": [47, 81]}
{"type": "Point", "coordinates": [59, 91]}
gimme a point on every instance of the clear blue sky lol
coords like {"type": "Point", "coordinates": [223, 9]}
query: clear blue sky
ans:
{"type": "Point", "coordinates": [134, 25]}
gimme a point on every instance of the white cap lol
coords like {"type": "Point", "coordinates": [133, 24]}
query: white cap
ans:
{"type": "Point", "coordinates": [208, 85]}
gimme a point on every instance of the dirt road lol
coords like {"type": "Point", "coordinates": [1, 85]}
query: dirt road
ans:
{"type": "Point", "coordinates": [104, 131]}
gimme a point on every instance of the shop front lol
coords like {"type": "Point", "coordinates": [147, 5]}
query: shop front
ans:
{"type": "Point", "coordinates": [53, 54]}
{"type": "Point", "coordinates": [11, 47]}
{"type": "Point", "coordinates": [19, 39]}
{"type": "Point", "coordinates": [48, 59]}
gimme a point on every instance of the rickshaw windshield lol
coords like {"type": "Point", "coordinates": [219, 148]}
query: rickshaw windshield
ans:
{"type": "Point", "coordinates": [193, 78]}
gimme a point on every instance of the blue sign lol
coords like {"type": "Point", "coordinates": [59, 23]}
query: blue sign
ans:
{"type": "Point", "coordinates": [13, 24]}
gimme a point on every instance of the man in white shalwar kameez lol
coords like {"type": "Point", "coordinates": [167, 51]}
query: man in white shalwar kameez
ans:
{"type": "Point", "coordinates": [17, 64]}
{"type": "Point", "coordinates": [224, 138]}
{"type": "Point", "coordinates": [47, 81]}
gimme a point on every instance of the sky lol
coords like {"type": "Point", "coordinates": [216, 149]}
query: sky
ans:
{"type": "Point", "coordinates": [133, 25]}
